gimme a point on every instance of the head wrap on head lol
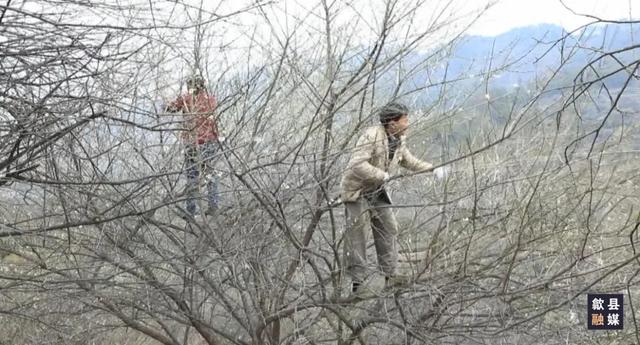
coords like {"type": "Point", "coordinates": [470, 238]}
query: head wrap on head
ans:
{"type": "Point", "coordinates": [196, 82]}
{"type": "Point", "coordinates": [392, 111]}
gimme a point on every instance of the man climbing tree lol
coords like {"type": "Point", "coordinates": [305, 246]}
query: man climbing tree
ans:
{"type": "Point", "coordinates": [201, 140]}
{"type": "Point", "coordinates": [378, 150]}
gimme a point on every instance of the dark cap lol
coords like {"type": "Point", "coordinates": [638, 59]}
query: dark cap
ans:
{"type": "Point", "coordinates": [196, 81]}
{"type": "Point", "coordinates": [392, 111]}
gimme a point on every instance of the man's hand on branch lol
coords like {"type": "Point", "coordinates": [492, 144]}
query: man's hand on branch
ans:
{"type": "Point", "coordinates": [441, 173]}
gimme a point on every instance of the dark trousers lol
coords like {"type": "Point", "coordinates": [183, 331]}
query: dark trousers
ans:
{"type": "Point", "coordinates": [376, 206]}
{"type": "Point", "coordinates": [200, 166]}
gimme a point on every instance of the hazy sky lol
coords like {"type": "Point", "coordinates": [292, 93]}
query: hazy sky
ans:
{"type": "Point", "coordinates": [507, 14]}
{"type": "Point", "coordinates": [265, 30]}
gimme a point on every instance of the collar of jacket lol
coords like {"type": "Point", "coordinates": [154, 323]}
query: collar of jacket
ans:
{"type": "Point", "coordinates": [381, 136]}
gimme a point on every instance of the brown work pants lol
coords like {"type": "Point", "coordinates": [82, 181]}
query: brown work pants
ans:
{"type": "Point", "coordinates": [377, 206]}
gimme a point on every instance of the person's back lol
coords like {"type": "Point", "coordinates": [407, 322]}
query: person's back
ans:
{"type": "Point", "coordinates": [199, 109]}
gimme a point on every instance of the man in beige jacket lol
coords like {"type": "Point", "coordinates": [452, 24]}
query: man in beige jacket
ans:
{"type": "Point", "coordinates": [378, 150]}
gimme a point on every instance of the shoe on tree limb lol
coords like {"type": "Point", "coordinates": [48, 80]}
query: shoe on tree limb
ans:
{"type": "Point", "coordinates": [211, 211]}
{"type": "Point", "coordinates": [396, 281]}
{"type": "Point", "coordinates": [363, 292]}
{"type": "Point", "coordinates": [185, 215]}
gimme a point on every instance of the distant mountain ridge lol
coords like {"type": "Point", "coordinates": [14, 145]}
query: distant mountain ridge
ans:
{"type": "Point", "coordinates": [532, 50]}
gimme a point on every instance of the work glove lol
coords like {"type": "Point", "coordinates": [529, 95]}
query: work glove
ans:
{"type": "Point", "coordinates": [441, 173]}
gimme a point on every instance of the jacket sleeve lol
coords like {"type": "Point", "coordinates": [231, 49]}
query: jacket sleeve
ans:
{"type": "Point", "coordinates": [409, 161]}
{"type": "Point", "coordinates": [359, 163]}
{"type": "Point", "coordinates": [213, 104]}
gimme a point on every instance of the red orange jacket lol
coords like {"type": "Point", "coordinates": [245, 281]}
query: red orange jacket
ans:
{"type": "Point", "coordinates": [200, 124]}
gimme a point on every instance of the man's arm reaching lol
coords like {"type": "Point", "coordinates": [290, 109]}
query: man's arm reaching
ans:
{"type": "Point", "coordinates": [409, 161]}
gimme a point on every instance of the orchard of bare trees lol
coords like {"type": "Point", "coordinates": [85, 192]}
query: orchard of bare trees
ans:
{"type": "Point", "coordinates": [541, 205]}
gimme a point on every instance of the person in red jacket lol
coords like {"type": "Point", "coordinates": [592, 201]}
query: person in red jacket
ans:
{"type": "Point", "coordinates": [200, 137]}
